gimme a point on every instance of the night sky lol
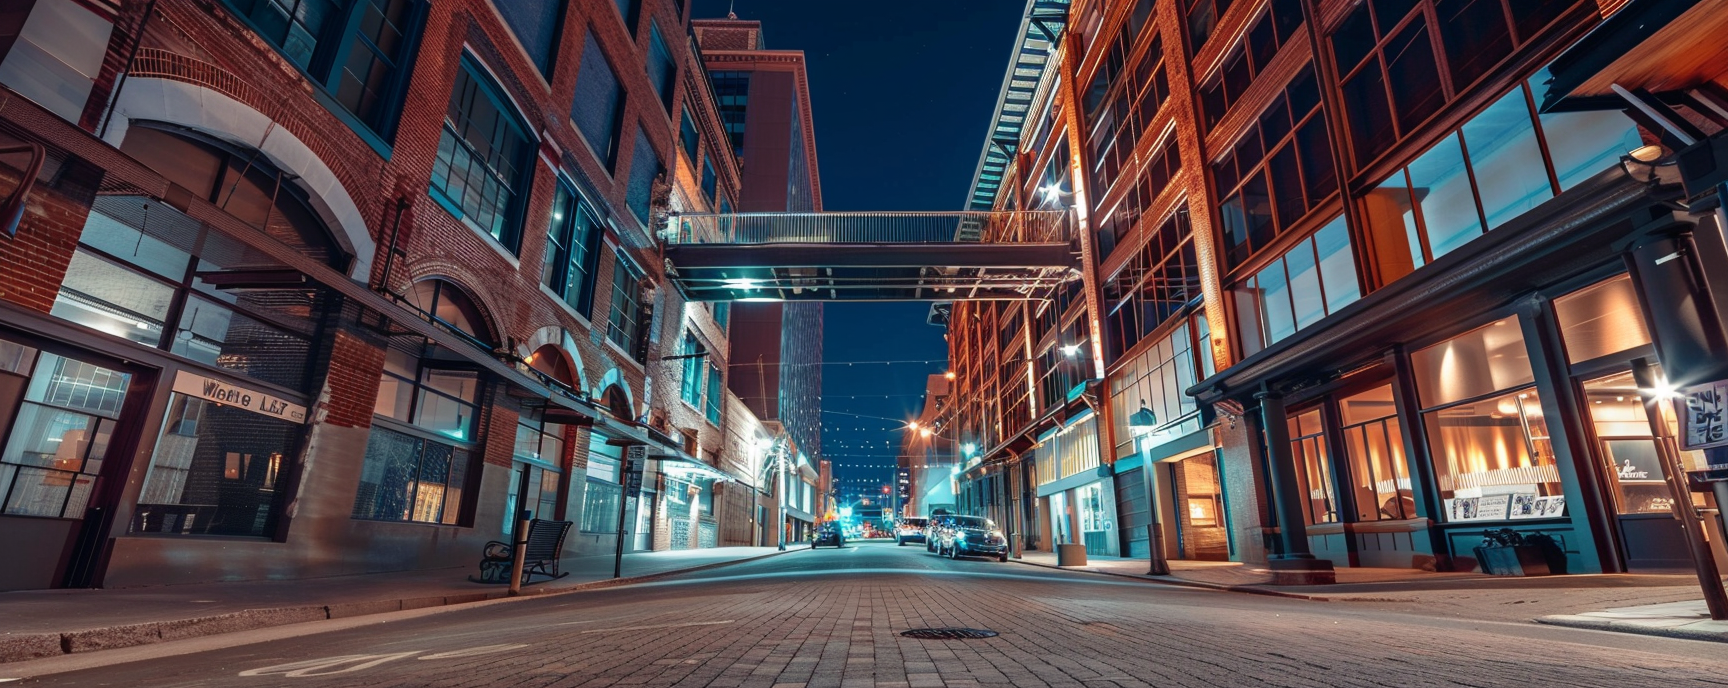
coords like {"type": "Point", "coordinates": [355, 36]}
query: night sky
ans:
{"type": "Point", "coordinates": [902, 101]}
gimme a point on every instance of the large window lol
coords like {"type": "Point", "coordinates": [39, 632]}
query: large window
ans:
{"type": "Point", "coordinates": [355, 50]}
{"type": "Point", "coordinates": [688, 138]}
{"type": "Point", "coordinates": [1156, 284]}
{"type": "Point", "coordinates": [624, 321]}
{"type": "Point", "coordinates": [572, 251]}
{"type": "Point", "coordinates": [1269, 33]}
{"type": "Point", "coordinates": [484, 158]}
{"type": "Point", "coordinates": [1601, 320]}
{"type": "Point", "coordinates": [417, 468]}
{"type": "Point", "coordinates": [1487, 431]}
{"type": "Point", "coordinates": [662, 71]}
{"type": "Point", "coordinates": [145, 272]}
{"type": "Point", "coordinates": [1489, 172]}
{"type": "Point", "coordinates": [1162, 165]}
{"type": "Point", "coordinates": [1278, 172]}
{"type": "Point", "coordinates": [60, 430]}
{"type": "Point", "coordinates": [1313, 468]}
{"type": "Point", "coordinates": [716, 387]}
{"type": "Point", "coordinates": [598, 109]}
{"type": "Point", "coordinates": [602, 497]}
{"type": "Point", "coordinates": [645, 169]}
{"type": "Point", "coordinates": [690, 388]}
{"type": "Point", "coordinates": [1157, 380]}
{"type": "Point", "coordinates": [732, 95]}
{"type": "Point", "coordinates": [1379, 471]}
{"type": "Point", "coordinates": [408, 478]}
{"type": "Point", "coordinates": [1120, 104]}
{"type": "Point", "coordinates": [1311, 281]}
{"type": "Point", "coordinates": [536, 24]}
{"type": "Point", "coordinates": [217, 470]}
{"type": "Point", "coordinates": [536, 469]}
{"type": "Point", "coordinates": [1392, 57]}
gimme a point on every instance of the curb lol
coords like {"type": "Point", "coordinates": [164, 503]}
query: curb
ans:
{"type": "Point", "coordinates": [1183, 583]}
{"type": "Point", "coordinates": [28, 646]}
{"type": "Point", "coordinates": [1681, 632]}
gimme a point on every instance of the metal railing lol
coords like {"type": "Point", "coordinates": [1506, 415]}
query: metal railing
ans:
{"type": "Point", "coordinates": [999, 227]}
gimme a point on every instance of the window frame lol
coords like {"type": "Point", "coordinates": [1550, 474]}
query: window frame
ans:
{"type": "Point", "coordinates": [572, 246]}
{"type": "Point", "coordinates": [519, 188]}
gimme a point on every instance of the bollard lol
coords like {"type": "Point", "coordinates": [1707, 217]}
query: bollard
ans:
{"type": "Point", "coordinates": [1155, 551]}
{"type": "Point", "coordinates": [519, 552]}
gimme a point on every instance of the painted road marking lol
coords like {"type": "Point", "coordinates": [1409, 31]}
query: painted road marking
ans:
{"type": "Point", "coordinates": [342, 664]}
{"type": "Point", "coordinates": [650, 628]}
{"type": "Point", "coordinates": [472, 651]}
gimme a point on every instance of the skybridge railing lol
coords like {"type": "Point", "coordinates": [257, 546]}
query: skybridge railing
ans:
{"type": "Point", "coordinates": [985, 227]}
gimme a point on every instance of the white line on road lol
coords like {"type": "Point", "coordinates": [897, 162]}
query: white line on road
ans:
{"type": "Point", "coordinates": [650, 628]}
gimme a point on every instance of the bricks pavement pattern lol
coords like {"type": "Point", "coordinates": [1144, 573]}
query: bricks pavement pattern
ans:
{"type": "Point", "coordinates": [832, 619]}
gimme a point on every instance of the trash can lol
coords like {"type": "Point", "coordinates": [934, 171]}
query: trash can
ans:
{"type": "Point", "coordinates": [1071, 555]}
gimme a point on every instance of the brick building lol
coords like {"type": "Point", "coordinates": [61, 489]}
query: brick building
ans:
{"type": "Point", "coordinates": [1359, 280]}
{"type": "Point", "coordinates": [339, 289]}
{"type": "Point", "coordinates": [764, 101]}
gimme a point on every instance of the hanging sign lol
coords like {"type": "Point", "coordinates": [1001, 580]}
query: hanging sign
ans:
{"type": "Point", "coordinates": [635, 461]}
{"type": "Point", "coordinates": [1703, 416]}
{"type": "Point", "coordinates": [226, 394]}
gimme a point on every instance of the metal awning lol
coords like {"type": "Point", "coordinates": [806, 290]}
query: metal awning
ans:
{"type": "Point", "coordinates": [693, 464]}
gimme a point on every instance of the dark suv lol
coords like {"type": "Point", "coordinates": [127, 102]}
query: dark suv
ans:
{"type": "Point", "coordinates": [965, 536]}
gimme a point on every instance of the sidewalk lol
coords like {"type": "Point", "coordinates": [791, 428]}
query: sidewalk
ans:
{"type": "Point", "coordinates": [1454, 595]}
{"type": "Point", "coordinates": [44, 623]}
{"type": "Point", "coordinates": [1689, 620]}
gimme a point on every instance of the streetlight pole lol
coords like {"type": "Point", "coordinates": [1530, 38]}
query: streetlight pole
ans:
{"type": "Point", "coordinates": [780, 503]}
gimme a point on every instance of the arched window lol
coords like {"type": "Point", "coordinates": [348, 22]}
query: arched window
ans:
{"type": "Point", "coordinates": [552, 361]}
{"type": "Point", "coordinates": [424, 435]}
{"type": "Point", "coordinates": [147, 272]}
{"type": "Point", "coordinates": [449, 305]}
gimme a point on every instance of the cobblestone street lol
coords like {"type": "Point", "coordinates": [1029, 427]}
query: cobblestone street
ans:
{"type": "Point", "coordinates": [834, 618]}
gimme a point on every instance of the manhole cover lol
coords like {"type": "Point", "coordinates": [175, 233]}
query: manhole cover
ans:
{"type": "Point", "coordinates": [948, 633]}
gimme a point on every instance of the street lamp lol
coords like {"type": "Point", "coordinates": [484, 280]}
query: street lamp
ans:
{"type": "Point", "coordinates": [1139, 423]}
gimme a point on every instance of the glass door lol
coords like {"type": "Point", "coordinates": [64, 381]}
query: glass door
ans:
{"type": "Point", "coordinates": [1627, 453]}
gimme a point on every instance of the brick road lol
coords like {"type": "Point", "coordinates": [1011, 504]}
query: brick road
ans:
{"type": "Point", "coordinates": [833, 618]}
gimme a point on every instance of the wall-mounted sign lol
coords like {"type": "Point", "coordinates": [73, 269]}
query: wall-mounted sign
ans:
{"type": "Point", "coordinates": [239, 397]}
{"type": "Point", "coordinates": [1703, 411]}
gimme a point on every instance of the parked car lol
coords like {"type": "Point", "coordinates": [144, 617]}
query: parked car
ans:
{"type": "Point", "coordinates": [967, 536]}
{"type": "Point", "coordinates": [909, 530]}
{"type": "Point", "coordinates": [828, 536]}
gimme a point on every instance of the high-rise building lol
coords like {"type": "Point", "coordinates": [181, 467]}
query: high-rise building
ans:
{"type": "Point", "coordinates": [764, 101]}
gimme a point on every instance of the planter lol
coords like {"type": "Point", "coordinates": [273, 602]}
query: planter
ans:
{"type": "Point", "coordinates": [1514, 560]}
{"type": "Point", "coordinates": [1070, 555]}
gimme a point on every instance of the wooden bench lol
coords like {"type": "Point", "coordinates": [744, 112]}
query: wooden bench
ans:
{"type": "Point", "coordinates": [545, 546]}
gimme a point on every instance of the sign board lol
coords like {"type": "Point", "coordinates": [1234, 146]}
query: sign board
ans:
{"type": "Point", "coordinates": [1703, 411]}
{"type": "Point", "coordinates": [635, 461]}
{"type": "Point", "coordinates": [238, 397]}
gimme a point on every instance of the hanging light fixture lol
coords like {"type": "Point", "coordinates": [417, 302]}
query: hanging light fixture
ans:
{"type": "Point", "coordinates": [1143, 419]}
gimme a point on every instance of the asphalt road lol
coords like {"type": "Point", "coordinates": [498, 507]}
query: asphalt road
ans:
{"type": "Point", "coordinates": [834, 617]}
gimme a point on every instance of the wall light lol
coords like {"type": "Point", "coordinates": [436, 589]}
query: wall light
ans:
{"type": "Point", "coordinates": [1070, 349]}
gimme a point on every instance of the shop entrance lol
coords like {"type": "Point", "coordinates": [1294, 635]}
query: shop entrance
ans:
{"type": "Point", "coordinates": [1200, 531]}
{"type": "Point", "coordinates": [1626, 451]}
{"type": "Point", "coordinates": [69, 426]}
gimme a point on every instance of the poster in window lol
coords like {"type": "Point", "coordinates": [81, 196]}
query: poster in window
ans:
{"type": "Point", "coordinates": [1523, 505]}
{"type": "Point", "coordinates": [1704, 423]}
{"type": "Point", "coordinates": [1493, 507]}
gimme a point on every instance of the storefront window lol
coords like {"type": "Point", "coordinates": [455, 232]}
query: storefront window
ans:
{"type": "Point", "coordinates": [407, 478]}
{"type": "Point", "coordinates": [603, 496]}
{"type": "Point", "coordinates": [1628, 450]}
{"type": "Point", "coordinates": [60, 433]}
{"type": "Point", "coordinates": [1313, 467]}
{"type": "Point", "coordinates": [1486, 429]}
{"type": "Point", "coordinates": [536, 471]}
{"type": "Point", "coordinates": [1601, 319]}
{"type": "Point", "coordinates": [1379, 471]}
{"type": "Point", "coordinates": [1475, 364]}
{"type": "Point", "coordinates": [217, 470]}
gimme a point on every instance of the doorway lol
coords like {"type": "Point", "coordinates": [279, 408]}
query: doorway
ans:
{"type": "Point", "coordinates": [1627, 455]}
